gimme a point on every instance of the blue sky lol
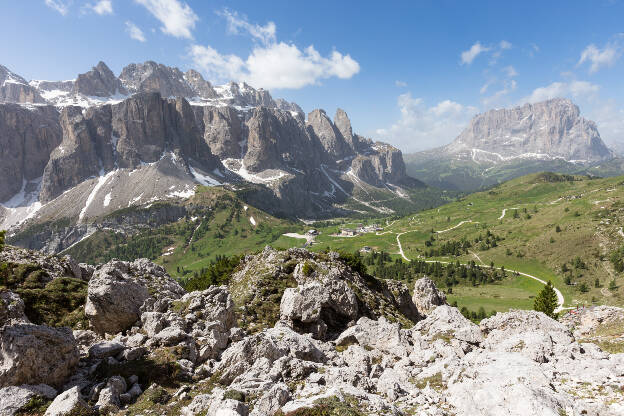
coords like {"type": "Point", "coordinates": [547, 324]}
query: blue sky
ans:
{"type": "Point", "coordinates": [411, 73]}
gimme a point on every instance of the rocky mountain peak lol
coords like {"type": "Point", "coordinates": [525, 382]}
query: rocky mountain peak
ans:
{"type": "Point", "coordinates": [202, 87]}
{"type": "Point", "coordinates": [343, 124]}
{"type": "Point", "coordinates": [330, 137]}
{"type": "Point", "coordinates": [549, 129]}
{"type": "Point", "coordinates": [153, 77]}
{"type": "Point", "coordinates": [15, 89]}
{"type": "Point", "coordinates": [99, 82]}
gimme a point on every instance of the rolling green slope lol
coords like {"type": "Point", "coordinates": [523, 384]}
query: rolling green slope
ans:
{"type": "Point", "coordinates": [562, 228]}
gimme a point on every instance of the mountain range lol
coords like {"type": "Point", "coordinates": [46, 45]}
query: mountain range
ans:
{"type": "Point", "coordinates": [79, 150]}
{"type": "Point", "coordinates": [506, 143]}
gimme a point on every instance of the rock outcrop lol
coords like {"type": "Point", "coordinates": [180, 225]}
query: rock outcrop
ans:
{"type": "Point", "coordinates": [316, 334]}
{"type": "Point", "coordinates": [427, 296]}
{"type": "Point", "coordinates": [118, 290]}
{"type": "Point", "coordinates": [34, 354]}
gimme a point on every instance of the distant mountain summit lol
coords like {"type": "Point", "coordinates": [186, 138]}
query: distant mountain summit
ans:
{"type": "Point", "coordinates": [546, 130]}
{"type": "Point", "coordinates": [502, 144]}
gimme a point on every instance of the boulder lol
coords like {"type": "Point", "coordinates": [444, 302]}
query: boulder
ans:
{"type": "Point", "coordinates": [69, 403]}
{"type": "Point", "coordinates": [446, 322]}
{"type": "Point", "coordinates": [319, 308]}
{"type": "Point", "coordinates": [105, 349]}
{"type": "Point", "coordinates": [32, 354]}
{"type": "Point", "coordinates": [11, 308]}
{"type": "Point", "coordinates": [118, 289]}
{"type": "Point", "coordinates": [14, 398]}
{"type": "Point", "coordinates": [427, 296]}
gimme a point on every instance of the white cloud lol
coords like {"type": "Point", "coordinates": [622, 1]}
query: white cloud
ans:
{"type": "Point", "coordinates": [101, 7]}
{"type": "Point", "coordinates": [571, 89]}
{"type": "Point", "coordinates": [134, 31]}
{"type": "Point", "coordinates": [178, 18]}
{"type": "Point", "coordinates": [600, 58]}
{"type": "Point", "coordinates": [468, 56]}
{"type": "Point", "coordinates": [421, 127]}
{"type": "Point", "coordinates": [497, 99]}
{"type": "Point", "coordinates": [504, 45]}
{"type": "Point", "coordinates": [510, 71]}
{"type": "Point", "coordinates": [61, 6]}
{"type": "Point", "coordinates": [278, 65]}
{"type": "Point", "coordinates": [236, 24]}
{"type": "Point", "coordinates": [400, 83]}
{"type": "Point", "coordinates": [215, 65]}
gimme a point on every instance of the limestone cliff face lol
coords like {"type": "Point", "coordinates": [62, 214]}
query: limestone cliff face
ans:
{"type": "Point", "coordinates": [223, 130]}
{"type": "Point", "coordinates": [328, 134]}
{"type": "Point", "coordinates": [278, 140]}
{"type": "Point", "coordinates": [137, 131]}
{"type": "Point", "coordinates": [27, 137]}
{"type": "Point", "coordinates": [552, 128]}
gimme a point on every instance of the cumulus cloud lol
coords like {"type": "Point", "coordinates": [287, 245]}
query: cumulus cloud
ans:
{"type": "Point", "coordinates": [278, 65]}
{"type": "Point", "coordinates": [600, 58]}
{"type": "Point", "coordinates": [101, 7]}
{"type": "Point", "coordinates": [134, 31]}
{"type": "Point", "coordinates": [271, 64]}
{"type": "Point", "coordinates": [572, 89]}
{"type": "Point", "coordinates": [420, 127]}
{"type": "Point", "coordinates": [61, 6]}
{"type": "Point", "coordinates": [400, 83]}
{"type": "Point", "coordinates": [236, 25]}
{"type": "Point", "coordinates": [475, 50]}
{"type": "Point", "coordinates": [177, 18]}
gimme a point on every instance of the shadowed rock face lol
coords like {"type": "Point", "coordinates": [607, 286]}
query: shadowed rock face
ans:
{"type": "Point", "coordinates": [27, 137]}
{"type": "Point", "coordinates": [277, 140]}
{"type": "Point", "coordinates": [99, 82]}
{"type": "Point", "coordinates": [223, 130]}
{"type": "Point", "coordinates": [125, 135]}
{"type": "Point", "coordinates": [553, 128]}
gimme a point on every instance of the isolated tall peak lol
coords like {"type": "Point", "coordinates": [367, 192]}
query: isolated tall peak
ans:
{"type": "Point", "coordinates": [548, 129]}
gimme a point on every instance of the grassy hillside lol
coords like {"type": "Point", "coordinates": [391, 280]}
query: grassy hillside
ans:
{"type": "Point", "coordinates": [217, 223]}
{"type": "Point", "coordinates": [556, 227]}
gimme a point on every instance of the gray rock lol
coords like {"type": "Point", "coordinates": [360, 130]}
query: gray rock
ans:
{"type": "Point", "coordinates": [118, 289]}
{"type": "Point", "coordinates": [14, 398]}
{"type": "Point", "coordinates": [426, 296]}
{"type": "Point", "coordinates": [32, 354]}
{"type": "Point", "coordinates": [105, 349]}
{"type": "Point", "coordinates": [68, 403]}
{"type": "Point", "coordinates": [11, 309]}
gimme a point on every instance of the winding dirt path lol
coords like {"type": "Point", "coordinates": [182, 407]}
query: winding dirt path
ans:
{"type": "Point", "coordinates": [560, 298]}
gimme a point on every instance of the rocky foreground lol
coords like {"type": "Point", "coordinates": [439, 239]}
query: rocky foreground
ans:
{"type": "Point", "coordinates": [293, 333]}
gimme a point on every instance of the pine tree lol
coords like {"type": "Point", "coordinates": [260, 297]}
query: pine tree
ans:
{"type": "Point", "coordinates": [546, 301]}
